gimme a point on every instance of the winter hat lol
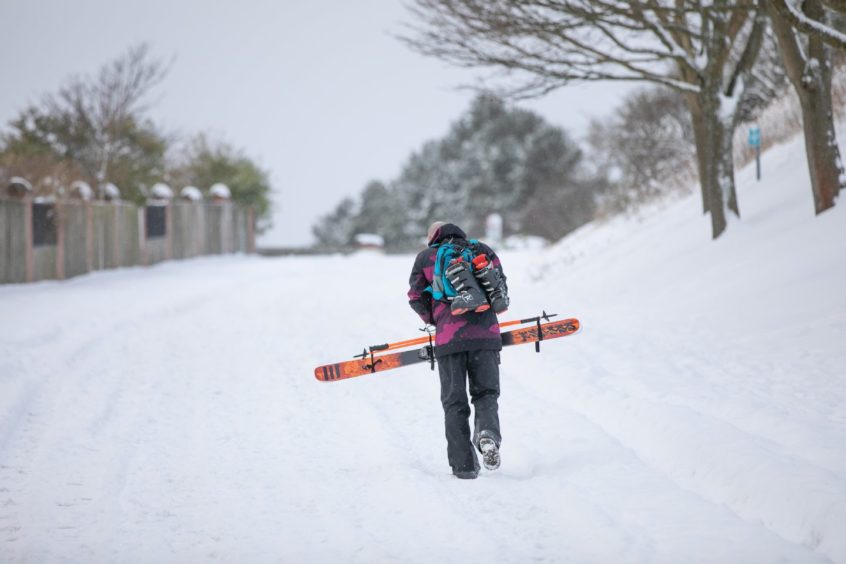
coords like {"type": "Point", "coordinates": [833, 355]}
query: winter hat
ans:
{"type": "Point", "coordinates": [433, 230]}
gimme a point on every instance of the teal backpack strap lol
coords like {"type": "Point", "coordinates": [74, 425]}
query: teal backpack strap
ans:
{"type": "Point", "coordinates": [441, 288]}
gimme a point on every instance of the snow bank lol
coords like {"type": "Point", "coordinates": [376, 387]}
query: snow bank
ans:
{"type": "Point", "coordinates": [721, 363]}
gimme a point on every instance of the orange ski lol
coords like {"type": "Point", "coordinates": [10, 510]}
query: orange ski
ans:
{"type": "Point", "coordinates": [424, 340]}
{"type": "Point", "coordinates": [370, 363]}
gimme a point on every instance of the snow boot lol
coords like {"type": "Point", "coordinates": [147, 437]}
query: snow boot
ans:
{"type": "Point", "coordinates": [466, 474]}
{"type": "Point", "coordinates": [469, 295]}
{"type": "Point", "coordinates": [490, 452]}
{"type": "Point", "coordinates": [492, 283]}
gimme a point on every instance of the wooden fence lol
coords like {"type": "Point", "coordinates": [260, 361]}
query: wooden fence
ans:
{"type": "Point", "coordinates": [58, 240]}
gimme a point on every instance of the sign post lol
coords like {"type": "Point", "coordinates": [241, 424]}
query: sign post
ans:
{"type": "Point", "coordinates": [755, 141]}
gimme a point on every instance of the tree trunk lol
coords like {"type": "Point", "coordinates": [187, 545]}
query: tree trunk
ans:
{"type": "Point", "coordinates": [713, 126]}
{"type": "Point", "coordinates": [822, 150]}
{"type": "Point", "coordinates": [714, 183]}
{"type": "Point", "coordinates": [700, 133]}
{"type": "Point", "coordinates": [714, 153]}
{"type": "Point", "coordinates": [725, 172]}
{"type": "Point", "coordinates": [811, 78]}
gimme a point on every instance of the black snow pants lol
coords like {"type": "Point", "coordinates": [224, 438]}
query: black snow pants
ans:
{"type": "Point", "coordinates": [482, 368]}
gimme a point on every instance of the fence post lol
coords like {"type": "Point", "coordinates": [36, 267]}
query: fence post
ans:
{"type": "Point", "coordinates": [169, 231]}
{"type": "Point", "coordinates": [29, 259]}
{"type": "Point", "coordinates": [251, 230]}
{"type": "Point", "coordinates": [142, 235]}
{"type": "Point", "coordinates": [116, 227]}
{"type": "Point", "coordinates": [89, 237]}
{"type": "Point", "coordinates": [60, 241]}
{"type": "Point", "coordinates": [224, 228]}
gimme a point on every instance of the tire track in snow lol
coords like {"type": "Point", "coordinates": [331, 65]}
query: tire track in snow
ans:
{"type": "Point", "coordinates": [81, 378]}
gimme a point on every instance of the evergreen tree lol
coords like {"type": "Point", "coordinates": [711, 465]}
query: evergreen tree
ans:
{"type": "Point", "coordinates": [335, 230]}
{"type": "Point", "coordinates": [494, 159]}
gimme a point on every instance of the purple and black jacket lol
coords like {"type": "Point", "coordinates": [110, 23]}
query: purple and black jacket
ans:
{"type": "Point", "coordinates": [455, 333]}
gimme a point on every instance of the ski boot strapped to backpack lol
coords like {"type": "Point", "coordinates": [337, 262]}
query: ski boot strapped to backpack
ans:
{"type": "Point", "coordinates": [469, 296]}
{"type": "Point", "coordinates": [492, 283]}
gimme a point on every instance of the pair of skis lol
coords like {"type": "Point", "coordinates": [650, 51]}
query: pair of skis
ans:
{"type": "Point", "coordinates": [376, 358]}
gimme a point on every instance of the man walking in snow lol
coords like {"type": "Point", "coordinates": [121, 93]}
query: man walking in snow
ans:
{"type": "Point", "coordinates": [458, 286]}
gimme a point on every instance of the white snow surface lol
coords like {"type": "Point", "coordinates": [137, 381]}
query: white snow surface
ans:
{"type": "Point", "coordinates": [170, 414]}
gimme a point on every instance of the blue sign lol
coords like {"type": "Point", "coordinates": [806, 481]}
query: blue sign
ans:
{"type": "Point", "coordinates": [754, 136]}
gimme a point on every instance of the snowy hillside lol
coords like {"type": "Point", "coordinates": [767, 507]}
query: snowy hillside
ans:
{"type": "Point", "coordinates": [170, 414]}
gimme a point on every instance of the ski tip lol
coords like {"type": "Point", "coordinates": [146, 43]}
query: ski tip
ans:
{"type": "Point", "coordinates": [573, 325]}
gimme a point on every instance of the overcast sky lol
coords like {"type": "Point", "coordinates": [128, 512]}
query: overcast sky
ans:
{"type": "Point", "coordinates": [318, 92]}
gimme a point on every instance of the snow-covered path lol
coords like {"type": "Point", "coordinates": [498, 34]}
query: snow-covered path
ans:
{"type": "Point", "coordinates": [170, 414]}
{"type": "Point", "coordinates": [186, 426]}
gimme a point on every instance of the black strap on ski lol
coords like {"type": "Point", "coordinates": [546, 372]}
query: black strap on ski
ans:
{"type": "Point", "coordinates": [373, 362]}
{"type": "Point", "coordinates": [546, 317]}
{"type": "Point", "coordinates": [540, 336]}
{"type": "Point", "coordinates": [430, 349]}
{"type": "Point", "coordinates": [431, 353]}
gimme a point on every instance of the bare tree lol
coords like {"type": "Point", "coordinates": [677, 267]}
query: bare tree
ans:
{"type": "Point", "coordinates": [98, 122]}
{"type": "Point", "coordinates": [702, 48]}
{"type": "Point", "coordinates": [807, 58]}
{"type": "Point", "coordinates": [107, 107]}
{"type": "Point", "coordinates": [647, 145]}
{"type": "Point", "coordinates": [812, 18]}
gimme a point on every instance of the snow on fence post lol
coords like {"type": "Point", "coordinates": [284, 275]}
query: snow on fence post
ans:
{"type": "Point", "coordinates": [76, 231]}
{"type": "Point", "coordinates": [221, 196]}
{"type": "Point", "coordinates": [43, 216]}
{"type": "Point", "coordinates": [109, 234]}
{"type": "Point", "coordinates": [157, 237]}
{"type": "Point", "coordinates": [187, 233]}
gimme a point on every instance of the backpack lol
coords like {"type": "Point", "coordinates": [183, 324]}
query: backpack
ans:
{"type": "Point", "coordinates": [449, 250]}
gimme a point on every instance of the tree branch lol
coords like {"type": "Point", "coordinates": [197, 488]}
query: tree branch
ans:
{"type": "Point", "coordinates": [808, 25]}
